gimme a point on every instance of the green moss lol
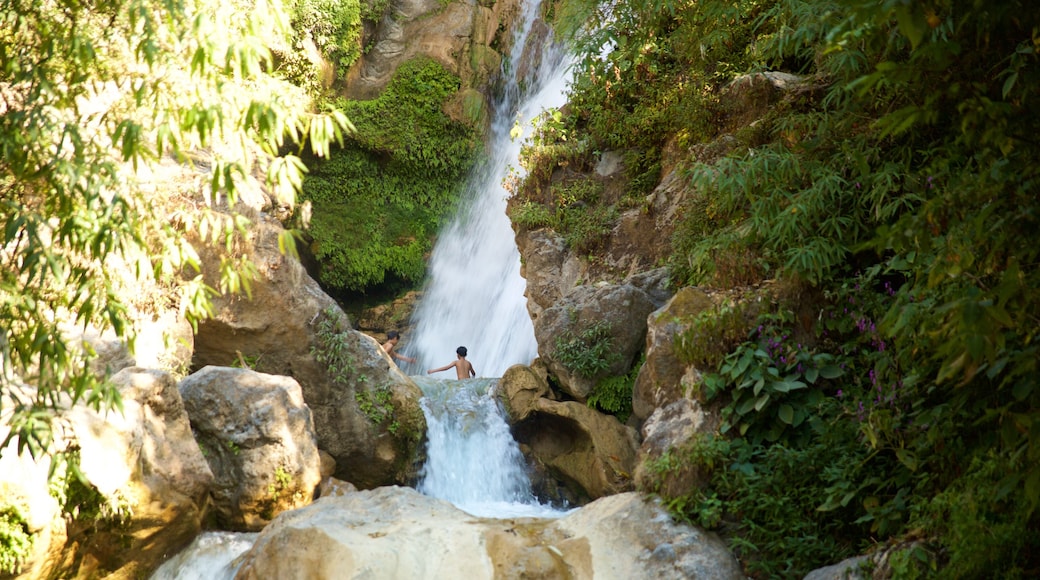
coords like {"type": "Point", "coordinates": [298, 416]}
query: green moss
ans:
{"type": "Point", "coordinates": [378, 201]}
{"type": "Point", "coordinates": [16, 541]}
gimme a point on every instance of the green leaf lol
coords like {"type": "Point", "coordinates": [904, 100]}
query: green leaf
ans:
{"type": "Point", "coordinates": [912, 23]}
{"type": "Point", "coordinates": [786, 413]}
{"type": "Point", "coordinates": [761, 402]}
{"type": "Point", "coordinates": [811, 375]}
{"type": "Point", "coordinates": [831, 372]}
{"type": "Point", "coordinates": [907, 458]}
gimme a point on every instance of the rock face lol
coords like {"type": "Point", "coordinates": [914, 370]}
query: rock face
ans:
{"type": "Point", "coordinates": [460, 35]}
{"type": "Point", "coordinates": [398, 533]}
{"type": "Point", "coordinates": [150, 481]}
{"type": "Point", "coordinates": [280, 330]}
{"type": "Point", "coordinates": [258, 437]}
{"type": "Point", "coordinates": [591, 454]}
{"type": "Point", "coordinates": [621, 308]}
{"type": "Point", "coordinates": [663, 379]}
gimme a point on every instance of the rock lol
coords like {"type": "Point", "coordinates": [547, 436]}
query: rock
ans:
{"type": "Point", "coordinates": [331, 486]}
{"type": "Point", "coordinates": [279, 330]}
{"type": "Point", "coordinates": [327, 464]}
{"type": "Point", "coordinates": [367, 413]}
{"type": "Point", "coordinates": [549, 269]}
{"type": "Point", "coordinates": [590, 453]}
{"type": "Point", "coordinates": [395, 532]}
{"type": "Point", "coordinates": [258, 437]}
{"type": "Point", "coordinates": [663, 378]}
{"type": "Point", "coordinates": [673, 428]}
{"type": "Point", "coordinates": [623, 308]}
{"type": "Point", "coordinates": [848, 569]}
{"type": "Point", "coordinates": [749, 97]}
{"type": "Point", "coordinates": [520, 388]}
{"type": "Point", "coordinates": [150, 478]}
{"type": "Point", "coordinates": [459, 35]}
{"type": "Point", "coordinates": [628, 536]}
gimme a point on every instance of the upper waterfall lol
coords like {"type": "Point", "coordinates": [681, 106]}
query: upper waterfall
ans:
{"type": "Point", "coordinates": [474, 295]}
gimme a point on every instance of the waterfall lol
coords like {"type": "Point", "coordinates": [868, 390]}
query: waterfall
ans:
{"type": "Point", "coordinates": [472, 459]}
{"type": "Point", "coordinates": [474, 295]}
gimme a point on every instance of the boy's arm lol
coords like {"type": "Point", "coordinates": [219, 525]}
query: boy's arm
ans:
{"type": "Point", "coordinates": [443, 368]}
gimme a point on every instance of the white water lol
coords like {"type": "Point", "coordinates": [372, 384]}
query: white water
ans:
{"type": "Point", "coordinates": [475, 298]}
{"type": "Point", "coordinates": [212, 556]}
{"type": "Point", "coordinates": [472, 459]}
{"type": "Point", "coordinates": [474, 295]}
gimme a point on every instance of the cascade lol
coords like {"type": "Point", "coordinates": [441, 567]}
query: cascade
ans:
{"type": "Point", "coordinates": [474, 297]}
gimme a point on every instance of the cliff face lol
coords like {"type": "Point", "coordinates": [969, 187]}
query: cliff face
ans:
{"type": "Point", "coordinates": [467, 37]}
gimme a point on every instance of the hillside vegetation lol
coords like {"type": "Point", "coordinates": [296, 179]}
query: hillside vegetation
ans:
{"type": "Point", "coordinates": [891, 394]}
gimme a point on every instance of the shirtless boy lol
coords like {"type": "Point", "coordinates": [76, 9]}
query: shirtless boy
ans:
{"type": "Point", "coordinates": [392, 338]}
{"type": "Point", "coordinates": [463, 368]}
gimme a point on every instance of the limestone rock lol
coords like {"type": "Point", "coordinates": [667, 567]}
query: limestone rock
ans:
{"type": "Point", "coordinates": [669, 428]}
{"type": "Point", "coordinates": [623, 308]}
{"type": "Point", "coordinates": [278, 330]}
{"type": "Point", "coordinates": [592, 454]}
{"type": "Point", "coordinates": [520, 388]}
{"type": "Point", "coordinates": [664, 379]}
{"type": "Point", "coordinates": [628, 536]}
{"type": "Point", "coordinates": [147, 468]}
{"type": "Point", "coordinates": [396, 532]}
{"type": "Point", "coordinates": [258, 437]}
{"type": "Point", "coordinates": [457, 34]}
{"type": "Point", "coordinates": [549, 269]}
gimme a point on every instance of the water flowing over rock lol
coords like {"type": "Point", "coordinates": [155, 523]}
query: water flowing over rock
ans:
{"type": "Point", "coordinates": [145, 465]}
{"type": "Point", "coordinates": [396, 532]}
{"type": "Point", "coordinates": [258, 437]}
{"type": "Point", "coordinates": [623, 308]}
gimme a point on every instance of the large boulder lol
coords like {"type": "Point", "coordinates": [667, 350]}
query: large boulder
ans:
{"type": "Point", "coordinates": [550, 270]}
{"type": "Point", "coordinates": [664, 378]}
{"type": "Point", "coordinates": [621, 308]}
{"type": "Point", "coordinates": [145, 492]}
{"type": "Point", "coordinates": [396, 532]}
{"type": "Point", "coordinates": [591, 454]}
{"type": "Point", "coordinates": [258, 437]}
{"type": "Point", "coordinates": [366, 412]}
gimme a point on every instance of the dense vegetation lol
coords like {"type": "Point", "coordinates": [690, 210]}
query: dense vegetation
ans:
{"type": "Point", "coordinates": [378, 200]}
{"type": "Point", "coordinates": [94, 97]}
{"type": "Point", "coordinates": [890, 393]}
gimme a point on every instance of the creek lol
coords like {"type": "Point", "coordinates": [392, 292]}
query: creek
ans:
{"type": "Point", "coordinates": [474, 297]}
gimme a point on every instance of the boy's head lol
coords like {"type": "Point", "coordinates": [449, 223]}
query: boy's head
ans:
{"type": "Point", "coordinates": [461, 351]}
{"type": "Point", "coordinates": [393, 335]}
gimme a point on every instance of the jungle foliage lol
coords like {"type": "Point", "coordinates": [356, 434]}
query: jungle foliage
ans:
{"type": "Point", "coordinates": [94, 97]}
{"type": "Point", "coordinates": [899, 183]}
{"type": "Point", "coordinates": [379, 199]}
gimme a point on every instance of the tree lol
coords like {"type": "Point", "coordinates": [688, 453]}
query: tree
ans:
{"type": "Point", "coordinates": [95, 97]}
